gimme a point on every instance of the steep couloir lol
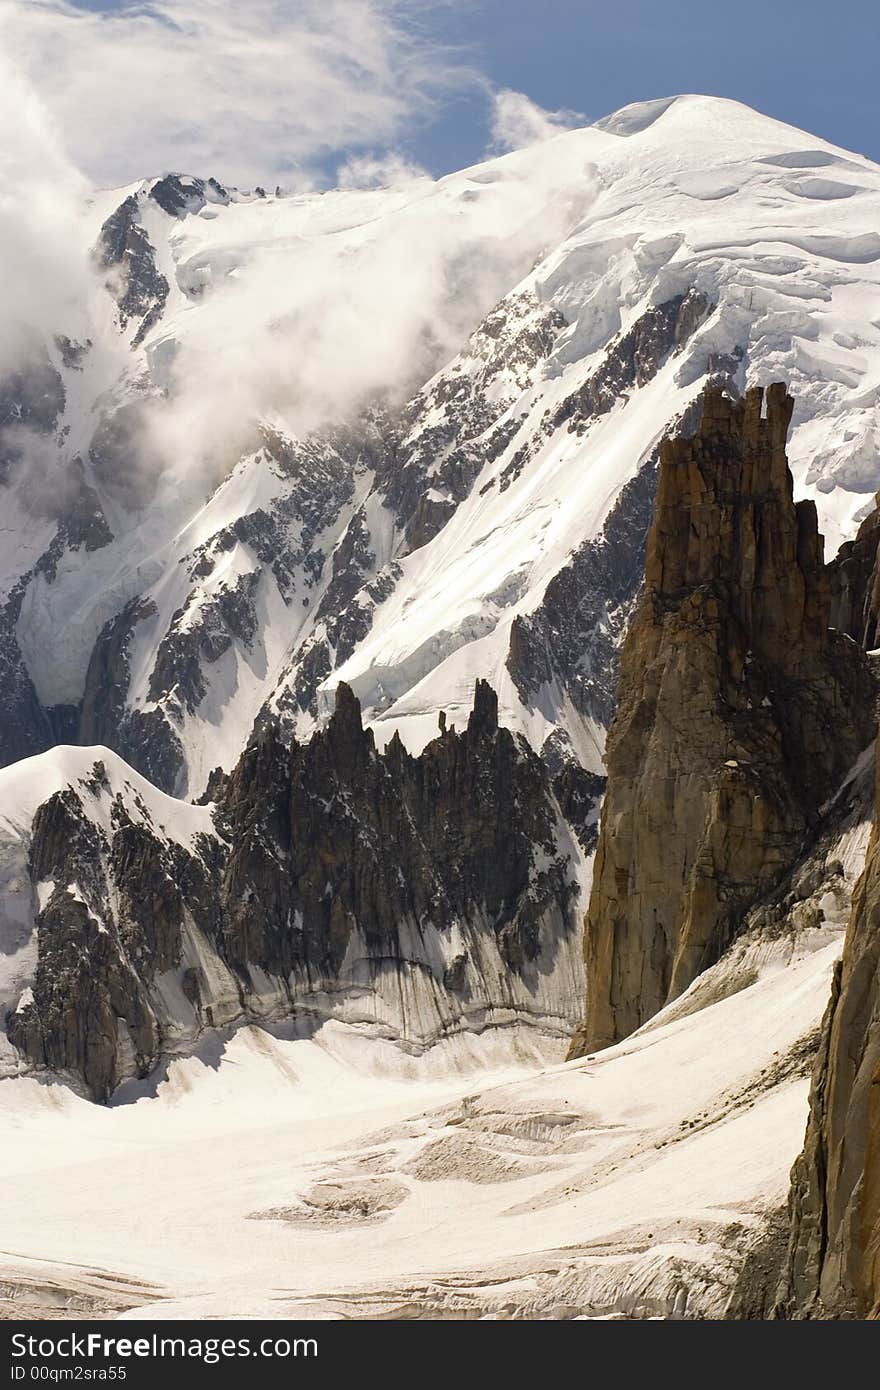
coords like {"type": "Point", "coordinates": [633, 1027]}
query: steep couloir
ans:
{"type": "Point", "coordinates": [739, 712]}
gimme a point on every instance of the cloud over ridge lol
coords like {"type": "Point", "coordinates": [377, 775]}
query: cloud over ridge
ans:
{"type": "Point", "coordinates": [265, 90]}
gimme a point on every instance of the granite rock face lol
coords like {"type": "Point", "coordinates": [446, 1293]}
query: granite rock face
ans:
{"type": "Point", "coordinates": [340, 839]}
{"type": "Point", "coordinates": [739, 713]}
{"type": "Point", "coordinates": [832, 1267]}
{"type": "Point", "coordinates": [96, 961]}
{"type": "Point", "coordinates": [324, 876]}
{"type": "Point", "coordinates": [855, 584]}
{"type": "Point", "coordinates": [833, 1263]}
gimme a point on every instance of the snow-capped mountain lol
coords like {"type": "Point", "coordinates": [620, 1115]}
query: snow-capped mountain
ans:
{"type": "Point", "coordinates": [250, 486]}
{"type": "Point", "coordinates": [324, 518]}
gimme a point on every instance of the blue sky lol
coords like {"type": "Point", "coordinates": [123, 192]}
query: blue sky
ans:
{"type": "Point", "coordinates": [813, 65]}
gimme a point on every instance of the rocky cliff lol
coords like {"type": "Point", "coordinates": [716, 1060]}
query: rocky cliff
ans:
{"type": "Point", "coordinates": [409, 895]}
{"type": "Point", "coordinates": [833, 1263]}
{"type": "Point", "coordinates": [832, 1268]}
{"type": "Point", "coordinates": [855, 583]}
{"type": "Point", "coordinates": [739, 713]}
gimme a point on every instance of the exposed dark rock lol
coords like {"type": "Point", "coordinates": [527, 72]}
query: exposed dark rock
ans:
{"type": "Point", "coordinates": [319, 476]}
{"type": "Point", "coordinates": [181, 194]}
{"type": "Point", "coordinates": [64, 723]}
{"type": "Point", "coordinates": [579, 794]}
{"type": "Point", "coordinates": [200, 633]}
{"type": "Point", "coordinates": [320, 850]}
{"type": "Point", "coordinates": [455, 974]}
{"type": "Point", "coordinates": [32, 399]}
{"type": "Point", "coordinates": [832, 1266]}
{"type": "Point", "coordinates": [96, 963]}
{"type": "Point", "coordinates": [107, 677]}
{"type": "Point", "coordinates": [83, 524]}
{"type": "Point", "coordinates": [33, 396]}
{"type": "Point", "coordinates": [573, 637]}
{"type": "Point", "coordinates": [739, 713]}
{"type": "Point", "coordinates": [338, 837]}
{"type": "Point", "coordinates": [125, 249]}
{"type": "Point", "coordinates": [145, 738]}
{"type": "Point", "coordinates": [172, 197]}
{"type": "Point", "coordinates": [25, 728]}
{"type": "Point", "coordinates": [148, 740]}
{"type": "Point", "coordinates": [635, 357]}
{"type": "Point", "coordinates": [855, 584]}
{"type": "Point", "coordinates": [319, 473]}
{"type": "Point", "coordinates": [435, 466]}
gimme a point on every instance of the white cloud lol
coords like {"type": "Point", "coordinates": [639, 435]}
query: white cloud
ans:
{"type": "Point", "coordinates": [312, 326]}
{"type": "Point", "coordinates": [254, 91]}
{"type": "Point", "coordinates": [517, 121]}
{"type": "Point", "coordinates": [316, 326]}
{"type": "Point", "coordinates": [378, 171]}
{"type": "Point", "coordinates": [42, 240]}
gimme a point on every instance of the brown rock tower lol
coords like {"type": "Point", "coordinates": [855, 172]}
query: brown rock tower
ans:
{"type": "Point", "coordinates": [739, 712]}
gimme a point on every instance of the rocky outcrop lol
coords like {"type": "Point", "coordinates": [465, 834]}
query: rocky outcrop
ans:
{"type": "Point", "coordinates": [855, 584]}
{"type": "Point", "coordinates": [96, 962]}
{"type": "Point", "coordinates": [182, 194]}
{"type": "Point", "coordinates": [125, 250]}
{"type": "Point", "coordinates": [739, 713]}
{"type": "Point", "coordinates": [326, 874]}
{"type": "Point", "coordinates": [24, 727]}
{"type": "Point", "coordinates": [832, 1266]}
{"type": "Point", "coordinates": [634, 358]}
{"type": "Point", "coordinates": [461, 419]}
{"type": "Point", "coordinates": [198, 635]}
{"type": "Point", "coordinates": [342, 840]}
{"type": "Point", "coordinates": [32, 399]}
{"type": "Point", "coordinates": [833, 1263]}
{"type": "Point", "coordinates": [573, 637]}
{"type": "Point", "coordinates": [147, 739]}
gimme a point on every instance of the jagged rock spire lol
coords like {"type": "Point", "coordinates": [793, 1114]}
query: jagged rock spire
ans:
{"type": "Point", "coordinates": [483, 718]}
{"type": "Point", "coordinates": [739, 712]}
{"type": "Point", "coordinates": [832, 1268]}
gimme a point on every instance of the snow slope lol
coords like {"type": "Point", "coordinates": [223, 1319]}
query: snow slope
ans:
{"type": "Point", "coordinates": [271, 1174]}
{"type": "Point", "coordinates": [364, 1185]}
